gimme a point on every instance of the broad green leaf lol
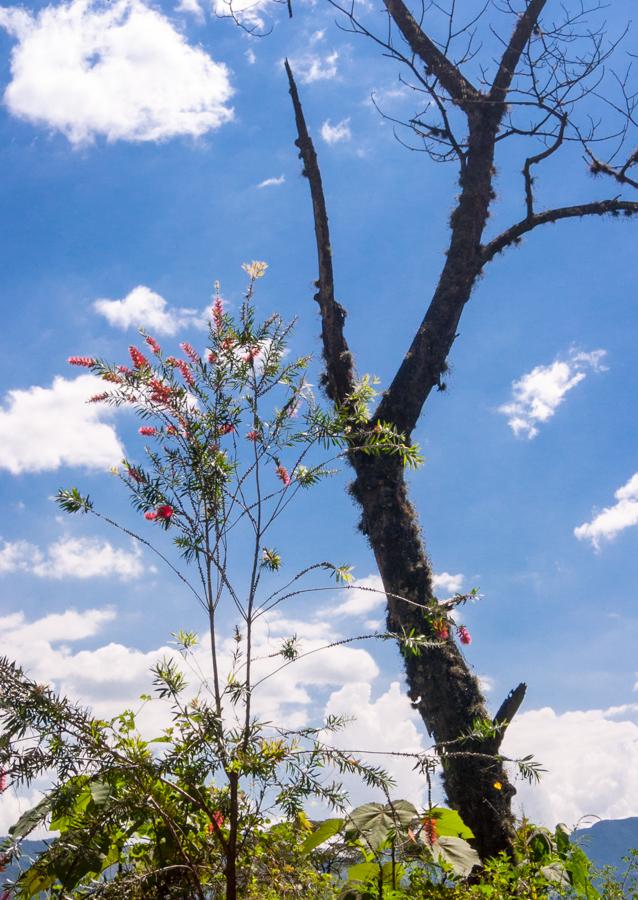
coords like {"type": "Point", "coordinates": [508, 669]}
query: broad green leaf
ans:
{"type": "Point", "coordinates": [578, 866]}
{"type": "Point", "coordinates": [456, 853]}
{"type": "Point", "coordinates": [100, 792]}
{"type": "Point", "coordinates": [449, 822]}
{"type": "Point", "coordinates": [363, 872]}
{"type": "Point", "coordinates": [32, 817]}
{"type": "Point", "coordinates": [326, 830]}
{"type": "Point", "coordinates": [33, 882]}
{"type": "Point", "coordinates": [374, 822]}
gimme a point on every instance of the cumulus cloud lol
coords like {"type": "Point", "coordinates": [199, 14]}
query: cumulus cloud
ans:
{"type": "Point", "coordinates": [601, 779]}
{"type": "Point", "coordinates": [192, 8]}
{"type": "Point", "coordinates": [72, 558]}
{"type": "Point", "coordinates": [119, 70]}
{"type": "Point", "coordinates": [249, 13]}
{"type": "Point", "coordinates": [333, 134]}
{"type": "Point", "coordinates": [386, 725]}
{"type": "Point", "coordinates": [613, 519]}
{"type": "Point", "coordinates": [250, 56]}
{"type": "Point", "coordinates": [448, 584]}
{"type": "Point", "coordinates": [315, 67]}
{"type": "Point", "coordinates": [272, 182]}
{"type": "Point", "coordinates": [365, 595]}
{"type": "Point", "coordinates": [143, 308]}
{"type": "Point", "coordinates": [537, 395]}
{"type": "Point", "coordinates": [45, 428]}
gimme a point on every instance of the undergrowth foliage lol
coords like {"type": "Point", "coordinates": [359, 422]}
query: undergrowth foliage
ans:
{"type": "Point", "coordinates": [213, 804]}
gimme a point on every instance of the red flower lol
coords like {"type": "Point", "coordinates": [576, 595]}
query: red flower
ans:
{"type": "Point", "coordinates": [464, 635]}
{"type": "Point", "coordinates": [86, 361]}
{"type": "Point", "coordinates": [228, 343]}
{"type": "Point", "coordinates": [170, 429]}
{"type": "Point", "coordinates": [190, 352]}
{"type": "Point", "coordinates": [135, 474]}
{"type": "Point", "coordinates": [218, 313]}
{"type": "Point", "coordinates": [152, 343]}
{"type": "Point", "coordinates": [429, 830]}
{"type": "Point", "coordinates": [252, 354]}
{"type": "Point", "coordinates": [212, 357]}
{"type": "Point", "coordinates": [184, 368]}
{"type": "Point", "coordinates": [160, 392]}
{"type": "Point", "coordinates": [252, 436]}
{"type": "Point", "coordinates": [138, 358]}
{"type": "Point", "coordinates": [151, 516]}
{"type": "Point", "coordinates": [165, 512]}
{"type": "Point", "coordinates": [282, 474]}
{"type": "Point", "coordinates": [98, 398]}
{"type": "Point", "coordinates": [441, 629]}
{"type": "Point", "coordinates": [147, 430]}
{"type": "Point", "coordinates": [216, 819]}
{"type": "Point", "coordinates": [226, 428]}
{"type": "Point", "coordinates": [3, 782]}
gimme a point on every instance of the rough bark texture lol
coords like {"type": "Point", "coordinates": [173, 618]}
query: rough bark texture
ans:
{"type": "Point", "coordinates": [441, 684]}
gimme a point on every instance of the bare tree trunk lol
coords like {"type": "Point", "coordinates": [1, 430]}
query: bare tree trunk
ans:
{"type": "Point", "coordinates": [441, 685]}
{"type": "Point", "coordinates": [440, 682]}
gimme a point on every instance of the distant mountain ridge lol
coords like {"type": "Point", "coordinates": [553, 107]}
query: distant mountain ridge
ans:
{"type": "Point", "coordinates": [606, 842]}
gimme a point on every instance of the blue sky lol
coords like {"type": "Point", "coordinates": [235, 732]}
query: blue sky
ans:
{"type": "Point", "coordinates": [147, 151]}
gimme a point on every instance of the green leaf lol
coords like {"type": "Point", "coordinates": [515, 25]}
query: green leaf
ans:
{"type": "Point", "coordinates": [33, 882]}
{"type": "Point", "coordinates": [363, 872]}
{"type": "Point", "coordinates": [326, 830]}
{"type": "Point", "coordinates": [578, 867]}
{"type": "Point", "coordinates": [449, 823]}
{"type": "Point", "coordinates": [375, 822]}
{"type": "Point", "coordinates": [30, 819]}
{"type": "Point", "coordinates": [100, 792]}
{"type": "Point", "coordinates": [457, 853]}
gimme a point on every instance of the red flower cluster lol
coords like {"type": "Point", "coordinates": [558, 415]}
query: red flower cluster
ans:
{"type": "Point", "coordinates": [441, 629]}
{"type": "Point", "coordinates": [86, 361]}
{"type": "Point", "coordinates": [98, 398]}
{"type": "Point", "coordinates": [212, 357]}
{"type": "Point", "coordinates": [429, 830]}
{"type": "Point", "coordinates": [3, 781]}
{"type": "Point", "coordinates": [135, 474]}
{"type": "Point", "coordinates": [252, 353]}
{"type": "Point", "coordinates": [464, 635]}
{"type": "Point", "coordinates": [190, 352]}
{"type": "Point", "coordinates": [184, 368]}
{"type": "Point", "coordinates": [152, 343]}
{"type": "Point", "coordinates": [147, 430]}
{"type": "Point", "coordinates": [226, 428]}
{"type": "Point", "coordinates": [282, 474]}
{"type": "Point", "coordinates": [138, 358]}
{"type": "Point", "coordinates": [164, 513]}
{"type": "Point", "coordinates": [160, 392]}
{"type": "Point", "coordinates": [218, 313]}
{"type": "Point", "coordinates": [252, 436]}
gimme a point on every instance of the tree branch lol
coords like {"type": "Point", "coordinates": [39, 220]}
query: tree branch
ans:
{"type": "Point", "coordinates": [515, 233]}
{"type": "Point", "coordinates": [462, 91]}
{"type": "Point", "coordinates": [510, 706]}
{"type": "Point", "coordinates": [510, 59]}
{"type": "Point", "coordinates": [340, 376]}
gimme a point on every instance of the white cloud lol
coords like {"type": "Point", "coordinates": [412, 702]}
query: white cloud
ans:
{"type": "Point", "coordinates": [613, 519]}
{"type": "Point", "coordinates": [272, 182]}
{"type": "Point", "coordinates": [537, 395]}
{"type": "Point", "coordinates": [365, 595]}
{"type": "Point", "coordinates": [333, 134]}
{"type": "Point", "coordinates": [313, 67]}
{"type": "Point", "coordinates": [448, 584]}
{"type": "Point", "coordinates": [191, 7]}
{"type": "Point", "coordinates": [389, 725]}
{"type": "Point", "coordinates": [250, 56]}
{"type": "Point", "coordinates": [72, 558]}
{"type": "Point", "coordinates": [362, 597]}
{"type": "Point", "coordinates": [143, 308]}
{"type": "Point", "coordinates": [599, 779]}
{"type": "Point", "coordinates": [117, 70]}
{"type": "Point", "coordinates": [45, 428]}
{"type": "Point", "coordinates": [249, 13]}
